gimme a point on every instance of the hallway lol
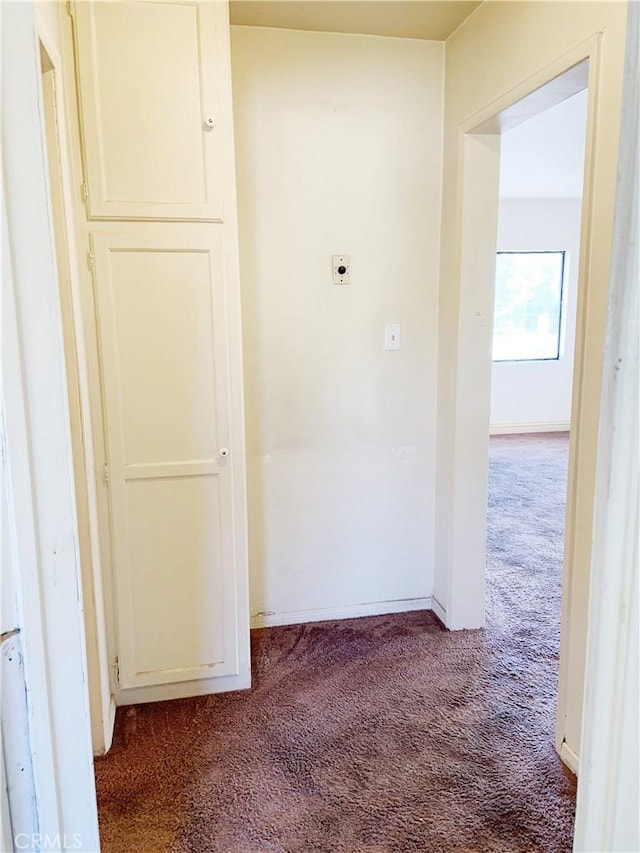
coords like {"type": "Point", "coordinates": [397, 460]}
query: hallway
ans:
{"type": "Point", "coordinates": [375, 734]}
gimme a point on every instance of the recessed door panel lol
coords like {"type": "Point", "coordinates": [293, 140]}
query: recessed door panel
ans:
{"type": "Point", "coordinates": [162, 308]}
{"type": "Point", "coordinates": [148, 95]}
{"type": "Point", "coordinates": [172, 475]}
{"type": "Point", "coordinates": [176, 554]}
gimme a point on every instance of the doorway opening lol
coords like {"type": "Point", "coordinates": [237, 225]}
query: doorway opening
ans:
{"type": "Point", "coordinates": [534, 337]}
{"type": "Point", "coordinates": [481, 140]}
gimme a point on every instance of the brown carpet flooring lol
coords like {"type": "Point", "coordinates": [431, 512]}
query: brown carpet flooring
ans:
{"type": "Point", "coordinates": [379, 734]}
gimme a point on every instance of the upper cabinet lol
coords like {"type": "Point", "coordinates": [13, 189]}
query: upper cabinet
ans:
{"type": "Point", "coordinates": [150, 74]}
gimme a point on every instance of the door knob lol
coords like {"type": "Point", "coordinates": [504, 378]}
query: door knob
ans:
{"type": "Point", "coordinates": [224, 452]}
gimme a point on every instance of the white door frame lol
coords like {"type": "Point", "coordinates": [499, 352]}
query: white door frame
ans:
{"type": "Point", "coordinates": [464, 606]}
{"type": "Point", "coordinates": [608, 791]}
{"type": "Point", "coordinates": [39, 458]}
{"type": "Point", "coordinates": [479, 146]}
{"type": "Point", "coordinates": [101, 698]}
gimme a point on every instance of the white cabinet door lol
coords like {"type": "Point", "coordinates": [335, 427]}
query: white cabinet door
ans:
{"type": "Point", "coordinates": [148, 73]}
{"type": "Point", "coordinates": [171, 371]}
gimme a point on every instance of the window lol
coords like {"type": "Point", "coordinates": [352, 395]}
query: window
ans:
{"type": "Point", "coordinates": [528, 306]}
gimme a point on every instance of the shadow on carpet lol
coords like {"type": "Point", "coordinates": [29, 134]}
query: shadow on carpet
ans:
{"type": "Point", "coordinates": [378, 734]}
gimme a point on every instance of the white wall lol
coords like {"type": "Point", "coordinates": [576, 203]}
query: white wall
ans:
{"type": "Point", "coordinates": [532, 395]}
{"type": "Point", "coordinates": [338, 142]}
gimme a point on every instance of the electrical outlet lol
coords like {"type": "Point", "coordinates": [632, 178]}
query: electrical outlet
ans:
{"type": "Point", "coordinates": [341, 269]}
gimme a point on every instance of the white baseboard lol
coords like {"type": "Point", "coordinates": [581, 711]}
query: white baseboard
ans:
{"type": "Point", "coordinates": [111, 724]}
{"type": "Point", "coordinates": [569, 757]}
{"type": "Point", "coordinates": [323, 614]}
{"type": "Point", "coordinates": [182, 690]}
{"type": "Point", "coordinates": [534, 426]}
{"type": "Point", "coordinates": [439, 610]}
{"type": "Point", "coordinates": [108, 726]}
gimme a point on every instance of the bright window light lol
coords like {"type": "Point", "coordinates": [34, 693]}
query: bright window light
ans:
{"type": "Point", "coordinates": [528, 306]}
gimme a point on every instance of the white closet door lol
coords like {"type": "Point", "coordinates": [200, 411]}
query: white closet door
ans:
{"type": "Point", "coordinates": [175, 458]}
{"type": "Point", "coordinates": [148, 74]}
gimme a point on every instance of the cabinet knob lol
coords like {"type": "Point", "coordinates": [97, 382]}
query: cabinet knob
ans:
{"type": "Point", "coordinates": [224, 452]}
{"type": "Point", "coordinates": [209, 123]}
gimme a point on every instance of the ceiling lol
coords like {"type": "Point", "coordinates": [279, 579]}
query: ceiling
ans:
{"type": "Point", "coordinates": [544, 156]}
{"type": "Point", "coordinates": [421, 19]}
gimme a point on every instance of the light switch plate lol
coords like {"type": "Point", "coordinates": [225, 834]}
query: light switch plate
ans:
{"type": "Point", "coordinates": [392, 336]}
{"type": "Point", "coordinates": [341, 269]}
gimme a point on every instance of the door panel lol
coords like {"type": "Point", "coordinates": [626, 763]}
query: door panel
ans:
{"type": "Point", "coordinates": [165, 327]}
{"type": "Point", "coordinates": [177, 582]}
{"type": "Point", "coordinates": [149, 152]}
{"type": "Point", "coordinates": [164, 345]}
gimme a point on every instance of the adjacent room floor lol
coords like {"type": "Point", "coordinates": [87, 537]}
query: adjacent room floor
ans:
{"type": "Point", "coordinates": [377, 734]}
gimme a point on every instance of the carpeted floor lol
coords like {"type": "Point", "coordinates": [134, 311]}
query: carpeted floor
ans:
{"type": "Point", "coordinates": [385, 734]}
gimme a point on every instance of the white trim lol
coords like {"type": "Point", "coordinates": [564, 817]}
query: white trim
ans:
{"type": "Point", "coordinates": [110, 722]}
{"type": "Point", "coordinates": [569, 757]}
{"type": "Point", "coordinates": [100, 695]}
{"type": "Point", "coordinates": [533, 426]}
{"type": "Point", "coordinates": [608, 793]}
{"type": "Point", "coordinates": [89, 368]}
{"type": "Point", "coordinates": [476, 261]}
{"type": "Point", "coordinates": [582, 445]}
{"type": "Point", "coordinates": [350, 611]}
{"type": "Point", "coordinates": [439, 610]}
